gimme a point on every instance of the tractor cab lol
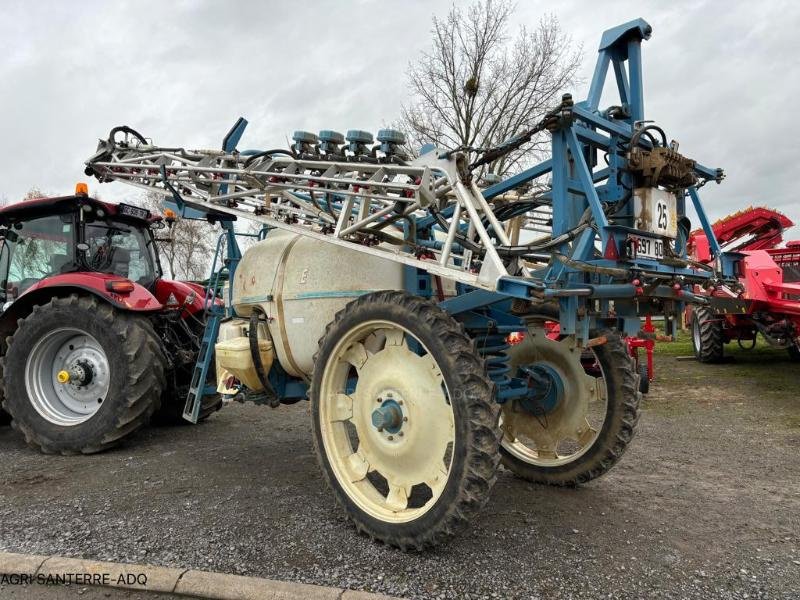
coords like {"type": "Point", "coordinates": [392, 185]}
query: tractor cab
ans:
{"type": "Point", "coordinates": [46, 237]}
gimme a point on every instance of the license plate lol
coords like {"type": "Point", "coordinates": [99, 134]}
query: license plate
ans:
{"type": "Point", "coordinates": [133, 211]}
{"type": "Point", "coordinates": [645, 247]}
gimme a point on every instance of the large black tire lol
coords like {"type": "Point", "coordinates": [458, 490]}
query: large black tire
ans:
{"type": "Point", "coordinates": [5, 418]}
{"type": "Point", "coordinates": [136, 375]}
{"type": "Point", "coordinates": [619, 425]}
{"type": "Point", "coordinates": [172, 405]}
{"type": "Point", "coordinates": [794, 354]}
{"type": "Point", "coordinates": [173, 399]}
{"type": "Point", "coordinates": [644, 379]}
{"type": "Point", "coordinates": [475, 457]}
{"type": "Point", "coordinates": [708, 339]}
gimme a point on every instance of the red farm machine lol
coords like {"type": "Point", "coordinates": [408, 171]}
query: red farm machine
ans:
{"type": "Point", "coordinates": [95, 340]}
{"type": "Point", "coordinates": [766, 300]}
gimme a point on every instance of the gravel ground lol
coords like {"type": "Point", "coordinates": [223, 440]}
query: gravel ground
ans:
{"type": "Point", "coordinates": [705, 504]}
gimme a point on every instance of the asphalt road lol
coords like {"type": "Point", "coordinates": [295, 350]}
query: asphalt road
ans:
{"type": "Point", "coordinates": [705, 504]}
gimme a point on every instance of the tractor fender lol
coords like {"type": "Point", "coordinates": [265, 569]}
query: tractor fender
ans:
{"type": "Point", "coordinates": [187, 294]}
{"type": "Point", "coordinates": [59, 286]}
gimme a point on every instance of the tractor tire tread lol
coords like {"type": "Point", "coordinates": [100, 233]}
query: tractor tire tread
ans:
{"type": "Point", "coordinates": [712, 341]}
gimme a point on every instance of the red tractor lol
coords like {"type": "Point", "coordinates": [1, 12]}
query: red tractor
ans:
{"type": "Point", "coordinates": [767, 299]}
{"type": "Point", "coordinates": [95, 342]}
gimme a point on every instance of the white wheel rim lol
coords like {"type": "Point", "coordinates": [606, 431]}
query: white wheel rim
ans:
{"type": "Point", "coordinates": [380, 469]}
{"type": "Point", "coordinates": [78, 353]}
{"type": "Point", "coordinates": [569, 431]}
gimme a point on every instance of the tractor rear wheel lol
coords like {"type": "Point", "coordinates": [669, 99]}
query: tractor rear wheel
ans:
{"type": "Point", "coordinates": [707, 338]}
{"type": "Point", "coordinates": [404, 419]}
{"type": "Point", "coordinates": [794, 352]}
{"type": "Point", "coordinates": [81, 376]}
{"type": "Point", "coordinates": [172, 405]}
{"type": "Point", "coordinates": [580, 414]}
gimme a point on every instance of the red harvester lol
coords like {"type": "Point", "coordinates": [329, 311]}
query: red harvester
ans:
{"type": "Point", "coordinates": [767, 298]}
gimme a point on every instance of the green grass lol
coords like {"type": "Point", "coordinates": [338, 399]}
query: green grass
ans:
{"type": "Point", "coordinates": [767, 370]}
{"type": "Point", "coordinates": [762, 351]}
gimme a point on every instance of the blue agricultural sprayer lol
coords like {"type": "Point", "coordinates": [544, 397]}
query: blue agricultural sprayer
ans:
{"type": "Point", "coordinates": [386, 290]}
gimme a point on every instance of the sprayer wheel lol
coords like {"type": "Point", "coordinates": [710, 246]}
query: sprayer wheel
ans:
{"type": "Point", "coordinates": [404, 418]}
{"type": "Point", "coordinates": [580, 431]}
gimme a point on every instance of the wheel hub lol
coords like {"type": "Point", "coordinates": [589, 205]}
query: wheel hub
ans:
{"type": "Point", "coordinates": [546, 389]}
{"type": "Point", "coordinates": [388, 417]}
{"type": "Point", "coordinates": [79, 374]}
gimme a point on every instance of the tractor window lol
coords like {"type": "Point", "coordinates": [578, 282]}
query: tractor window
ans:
{"type": "Point", "coordinates": [38, 248]}
{"type": "Point", "coordinates": [121, 249]}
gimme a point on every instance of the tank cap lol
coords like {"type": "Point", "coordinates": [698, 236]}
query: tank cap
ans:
{"type": "Point", "coordinates": [391, 136]}
{"type": "Point", "coordinates": [356, 135]}
{"type": "Point", "coordinates": [305, 137]}
{"type": "Point", "coordinates": [330, 136]}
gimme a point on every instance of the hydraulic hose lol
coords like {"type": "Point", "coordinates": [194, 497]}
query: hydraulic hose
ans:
{"type": "Point", "coordinates": [646, 130]}
{"type": "Point", "coordinates": [258, 155]}
{"type": "Point", "coordinates": [255, 353]}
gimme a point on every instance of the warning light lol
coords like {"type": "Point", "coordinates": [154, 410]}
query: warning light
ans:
{"type": "Point", "coordinates": [170, 217]}
{"type": "Point", "coordinates": [120, 286]}
{"type": "Point", "coordinates": [81, 189]}
{"type": "Point", "coordinates": [515, 337]}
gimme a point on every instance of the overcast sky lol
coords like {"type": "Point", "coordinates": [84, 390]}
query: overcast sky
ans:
{"type": "Point", "coordinates": [720, 77]}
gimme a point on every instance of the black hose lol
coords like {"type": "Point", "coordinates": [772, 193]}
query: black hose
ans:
{"type": "Point", "coordinates": [255, 353]}
{"type": "Point", "coordinates": [125, 129]}
{"type": "Point", "coordinates": [645, 130]}
{"type": "Point", "coordinates": [253, 157]}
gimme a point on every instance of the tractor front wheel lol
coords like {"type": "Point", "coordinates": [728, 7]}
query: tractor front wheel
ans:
{"type": "Point", "coordinates": [707, 337]}
{"type": "Point", "coordinates": [81, 376]}
{"type": "Point", "coordinates": [404, 418]}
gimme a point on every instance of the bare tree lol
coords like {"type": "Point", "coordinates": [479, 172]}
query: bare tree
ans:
{"type": "Point", "coordinates": [33, 251]}
{"type": "Point", "coordinates": [34, 193]}
{"type": "Point", "coordinates": [478, 87]}
{"type": "Point", "coordinates": [186, 249]}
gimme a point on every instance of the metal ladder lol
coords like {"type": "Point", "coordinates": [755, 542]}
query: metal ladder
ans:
{"type": "Point", "coordinates": [198, 388]}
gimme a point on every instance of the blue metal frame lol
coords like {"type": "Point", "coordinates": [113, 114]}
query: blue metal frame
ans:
{"type": "Point", "coordinates": [577, 184]}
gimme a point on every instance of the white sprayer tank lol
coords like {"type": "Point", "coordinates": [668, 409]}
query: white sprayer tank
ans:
{"type": "Point", "coordinates": [300, 284]}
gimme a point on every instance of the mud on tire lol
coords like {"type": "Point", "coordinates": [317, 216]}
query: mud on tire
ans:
{"type": "Point", "coordinates": [136, 375]}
